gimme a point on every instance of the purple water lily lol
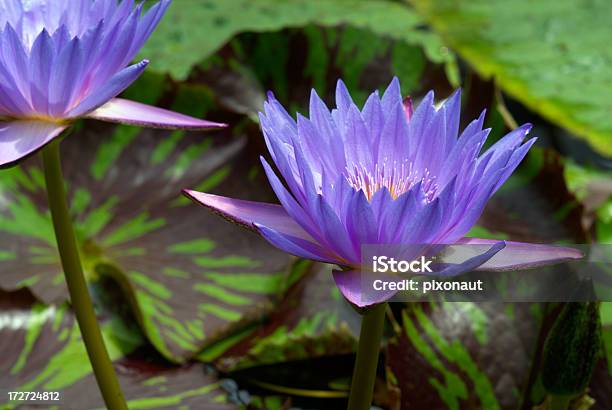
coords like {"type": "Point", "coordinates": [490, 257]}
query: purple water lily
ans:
{"type": "Point", "coordinates": [382, 175]}
{"type": "Point", "coordinates": [65, 59]}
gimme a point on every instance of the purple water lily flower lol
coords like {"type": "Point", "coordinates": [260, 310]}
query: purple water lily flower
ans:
{"type": "Point", "coordinates": [65, 59]}
{"type": "Point", "coordinates": [382, 175]}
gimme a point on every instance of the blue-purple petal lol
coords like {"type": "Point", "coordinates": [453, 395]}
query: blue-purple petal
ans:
{"type": "Point", "coordinates": [354, 288]}
{"type": "Point", "coordinates": [21, 138]}
{"type": "Point", "coordinates": [520, 255]}
{"type": "Point", "coordinates": [134, 113]}
{"type": "Point", "coordinates": [114, 87]}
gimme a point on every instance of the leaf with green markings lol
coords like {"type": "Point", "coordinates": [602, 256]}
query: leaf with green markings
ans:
{"type": "Point", "coordinates": [313, 320]}
{"type": "Point", "coordinates": [193, 30]}
{"type": "Point", "coordinates": [43, 351]}
{"type": "Point", "coordinates": [551, 55]}
{"type": "Point", "coordinates": [190, 276]}
{"type": "Point", "coordinates": [463, 355]}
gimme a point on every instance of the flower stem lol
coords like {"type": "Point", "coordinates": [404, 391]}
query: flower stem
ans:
{"type": "Point", "coordinates": [364, 374]}
{"type": "Point", "coordinates": [77, 287]}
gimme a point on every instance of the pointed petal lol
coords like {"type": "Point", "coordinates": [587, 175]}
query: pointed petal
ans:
{"type": "Point", "coordinates": [110, 90]}
{"type": "Point", "coordinates": [147, 24]}
{"type": "Point", "coordinates": [518, 255]}
{"type": "Point", "coordinates": [351, 285]}
{"type": "Point", "coordinates": [452, 110]}
{"type": "Point", "coordinates": [295, 246]}
{"type": "Point", "coordinates": [65, 77]}
{"type": "Point", "coordinates": [394, 139]}
{"type": "Point", "coordinates": [19, 139]}
{"type": "Point", "coordinates": [391, 96]}
{"type": "Point", "coordinates": [134, 113]}
{"type": "Point", "coordinates": [248, 213]}
{"type": "Point", "coordinates": [41, 61]}
{"type": "Point", "coordinates": [343, 98]}
{"type": "Point", "coordinates": [375, 120]}
{"type": "Point", "coordinates": [472, 263]}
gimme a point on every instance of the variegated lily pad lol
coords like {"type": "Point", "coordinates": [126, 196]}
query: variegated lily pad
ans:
{"type": "Point", "coordinates": [463, 355]}
{"type": "Point", "coordinates": [190, 276]}
{"type": "Point", "coordinates": [313, 320]}
{"type": "Point", "coordinates": [43, 352]}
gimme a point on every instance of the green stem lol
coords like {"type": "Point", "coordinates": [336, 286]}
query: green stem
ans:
{"type": "Point", "coordinates": [77, 287]}
{"type": "Point", "coordinates": [364, 374]}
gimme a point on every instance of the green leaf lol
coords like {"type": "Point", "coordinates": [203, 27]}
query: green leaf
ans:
{"type": "Point", "coordinates": [43, 351]}
{"type": "Point", "coordinates": [551, 55]}
{"type": "Point", "coordinates": [193, 30]}
{"type": "Point", "coordinates": [456, 355]}
{"type": "Point", "coordinates": [312, 320]}
{"type": "Point", "coordinates": [364, 60]}
{"type": "Point", "coordinates": [189, 276]}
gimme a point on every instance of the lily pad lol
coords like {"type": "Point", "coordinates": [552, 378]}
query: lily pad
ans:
{"type": "Point", "coordinates": [458, 355]}
{"type": "Point", "coordinates": [207, 25]}
{"type": "Point", "coordinates": [189, 276]}
{"type": "Point", "coordinates": [313, 320]}
{"type": "Point", "coordinates": [43, 352]}
{"type": "Point", "coordinates": [550, 55]}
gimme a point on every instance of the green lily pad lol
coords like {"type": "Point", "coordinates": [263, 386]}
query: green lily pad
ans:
{"type": "Point", "coordinates": [313, 320]}
{"type": "Point", "coordinates": [194, 30]}
{"type": "Point", "coordinates": [43, 352]}
{"type": "Point", "coordinates": [190, 276]}
{"type": "Point", "coordinates": [550, 55]}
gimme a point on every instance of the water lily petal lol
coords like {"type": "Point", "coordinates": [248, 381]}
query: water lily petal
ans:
{"type": "Point", "coordinates": [294, 245]}
{"type": "Point", "coordinates": [519, 255]}
{"type": "Point", "coordinates": [134, 113]}
{"type": "Point", "coordinates": [248, 213]}
{"type": "Point", "coordinates": [19, 139]}
{"type": "Point", "coordinates": [473, 262]}
{"type": "Point", "coordinates": [110, 90]}
{"type": "Point", "coordinates": [351, 285]}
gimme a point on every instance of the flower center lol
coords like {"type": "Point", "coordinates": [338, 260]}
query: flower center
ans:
{"type": "Point", "coordinates": [396, 177]}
